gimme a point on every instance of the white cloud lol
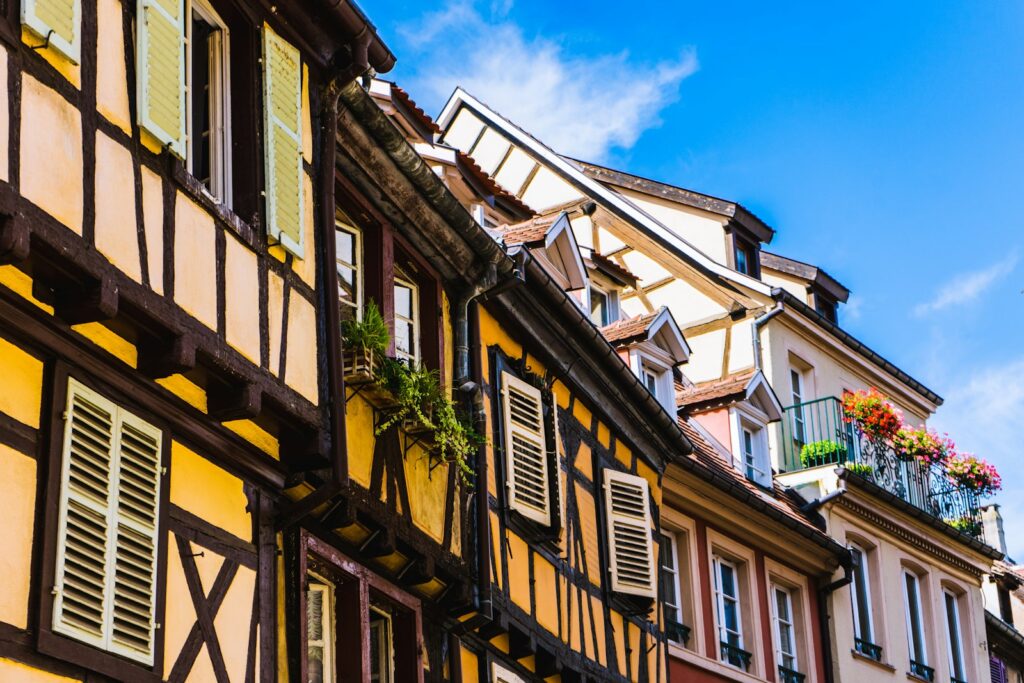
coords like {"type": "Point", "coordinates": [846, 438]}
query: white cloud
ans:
{"type": "Point", "coordinates": [853, 309]}
{"type": "Point", "coordinates": [983, 415]}
{"type": "Point", "coordinates": [583, 106]}
{"type": "Point", "coordinates": [967, 287]}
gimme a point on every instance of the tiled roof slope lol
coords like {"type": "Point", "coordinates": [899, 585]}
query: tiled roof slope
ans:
{"type": "Point", "coordinates": [779, 497]}
{"type": "Point", "coordinates": [715, 391]}
{"type": "Point", "coordinates": [628, 329]}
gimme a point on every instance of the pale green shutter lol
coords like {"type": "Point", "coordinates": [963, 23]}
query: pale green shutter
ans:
{"type": "Point", "coordinates": [630, 551]}
{"type": "Point", "coordinates": [526, 457]}
{"type": "Point", "coordinates": [105, 587]}
{"type": "Point", "coordinates": [282, 106]}
{"type": "Point", "coordinates": [59, 21]}
{"type": "Point", "coordinates": [161, 71]}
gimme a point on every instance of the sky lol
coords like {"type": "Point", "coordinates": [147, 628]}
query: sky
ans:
{"type": "Point", "coordinates": [882, 141]}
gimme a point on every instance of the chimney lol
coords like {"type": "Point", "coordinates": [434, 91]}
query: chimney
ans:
{"type": "Point", "coordinates": [992, 523]}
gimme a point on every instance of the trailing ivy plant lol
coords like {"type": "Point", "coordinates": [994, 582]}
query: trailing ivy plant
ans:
{"type": "Point", "coordinates": [371, 333]}
{"type": "Point", "coordinates": [419, 396]}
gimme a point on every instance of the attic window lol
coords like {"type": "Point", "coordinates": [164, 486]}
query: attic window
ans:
{"type": "Point", "coordinates": [745, 256]}
{"type": "Point", "coordinates": [826, 307]}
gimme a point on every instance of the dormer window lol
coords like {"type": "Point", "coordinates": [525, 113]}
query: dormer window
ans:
{"type": "Point", "coordinates": [746, 258]}
{"type": "Point", "coordinates": [604, 305]}
{"type": "Point", "coordinates": [825, 306]}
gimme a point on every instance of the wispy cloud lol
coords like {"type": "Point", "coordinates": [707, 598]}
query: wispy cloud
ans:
{"type": "Point", "coordinates": [967, 287]}
{"type": "Point", "coordinates": [581, 105]}
{"type": "Point", "coordinates": [854, 308]}
{"type": "Point", "coordinates": [983, 415]}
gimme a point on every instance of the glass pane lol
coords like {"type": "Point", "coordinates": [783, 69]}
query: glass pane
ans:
{"type": "Point", "coordinates": [741, 260]}
{"type": "Point", "coordinates": [782, 605]}
{"type": "Point", "coordinates": [315, 615]}
{"type": "Point", "coordinates": [315, 667]}
{"type": "Point", "coordinates": [730, 617]}
{"type": "Point", "coordinates": [955, 652]}
{"type": "Point", "coordinates": [345, 247]}
{"type": "Point", "coordinates": [728, 580]}
{"type": "Point", "coordinates": [403, 337]}
{"type": "Point", "coordinates": [403, 301]}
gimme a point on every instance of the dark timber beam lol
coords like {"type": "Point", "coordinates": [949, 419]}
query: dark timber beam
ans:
{"type": "Point", "coordinates": [163, 357]}
{"type": "Point", "coordinates": [14, 239]}
{"type": "Point", "coordinates": [90, 302]}
{"type": "Point", "coordinates": [234, 401]}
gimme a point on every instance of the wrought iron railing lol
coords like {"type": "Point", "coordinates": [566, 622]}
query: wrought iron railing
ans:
{"type": "Point", "coordinates": [922, 671]}
{"type": "Point", "coordinates": [790, 675]}
{"type": "Point", "coordinates": [736, 656]}
{"type": "Point", "coordinates": [814, 434]}
{"type": "Point", "coordinates": [868, 649]}
{"type": "Point", "coordinates": [677, 631]}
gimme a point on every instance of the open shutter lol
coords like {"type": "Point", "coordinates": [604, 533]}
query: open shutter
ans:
{"type": "Point", "coordinates": [526, 461]}
{"type": "Point", "coordinates": [161, 71]}
{"type": "Point", "coordinates": [282, 106]}
{"type": "Point", "coordinates": [138, 495]}
{"type": "Point", "coordinates": [56, 21]}
{"type": "Point", "coordinates": [630, 549]}
{"type": "Point", "coordinates": [500, 674]}
{"type": "Point", "coordinates": [83, 535]}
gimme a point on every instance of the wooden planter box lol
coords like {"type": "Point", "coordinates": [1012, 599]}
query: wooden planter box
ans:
{"type": "Point", "coordinates": [415, 427]}
{"type": "Point", "coordinates": [360, 366]}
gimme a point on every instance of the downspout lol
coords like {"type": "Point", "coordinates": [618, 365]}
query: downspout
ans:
{"type": "Point", "coordinates": [846, 562]}
{"type": "Point", "coordinates": [759, 321]}
{"type": "Point", "coordinates": [469, 382]}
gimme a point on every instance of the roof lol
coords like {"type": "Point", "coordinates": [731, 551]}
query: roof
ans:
{"type": "Point", "coordinates": [718, 391]}
{"type": "Point", "coordinates": [805, 271]}
{"type": "Point", "coordinates": [1005, 634]}
{"type": "Point", "coordinates": [629, 330]}
{"type": "Point", "coordinates": [722, 207]}
{"type": "Point", "coordinates": [533, 231]}
{"type": "Point", "coordinates": [611, 269]}
{"type": "Point", "coordinates": [781, 499]}
{"type": "Point", "coordinates": [490, 186]}
{"type": "Point", "coordinates": [613, 201]}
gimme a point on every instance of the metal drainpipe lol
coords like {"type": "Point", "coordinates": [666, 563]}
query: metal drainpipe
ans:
{"type": "Point", "coordinates": [823, 618]}
{"type": "Point", "coordinates": [469, 380]}
{"type": "Point", "coordinates": [758, 322]}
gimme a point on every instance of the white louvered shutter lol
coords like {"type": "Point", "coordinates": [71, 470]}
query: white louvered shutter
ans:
{"type": "Point", "coordinates": [133, 611]}
{"type": "Point", "coordinates": [59, 21]}
{"type": "Point", "coordinates": [630, 549]}
{"type": "Point", "coordinates": [105, 583]}
{"type": "Point", "coordinates": [79, 608]}
{"type": "Point", "coordinates": [526, 461]}
{"type": "Point", "coordinates": [160, 57]}
{"type": "Point", "coordinates": [282, 106]}
{"type": "Point", "coordinates": [500, 674]}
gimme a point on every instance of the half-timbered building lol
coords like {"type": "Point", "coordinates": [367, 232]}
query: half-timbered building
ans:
{"type": "Point", "coordinates": [166, 195]}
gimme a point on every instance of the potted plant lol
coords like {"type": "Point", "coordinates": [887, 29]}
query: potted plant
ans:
{"type": "Point", "coordinates": [414, 390]}
{"type": "Point", "coordinates": [861, 469]}
{"type": "Point", "coordinates": [923, 445]}
{"type": "Point", "coordinates": [966, 524]}
{"type": "Point", "coordinates": [873, 414]}
{"type": "Point", "coordinates": [365, 345]}
{"type": "Point", "coordinates": [970, 472]}
{"type": "Point", "coordinates": [824, 452]}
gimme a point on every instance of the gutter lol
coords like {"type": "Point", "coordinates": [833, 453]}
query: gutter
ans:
{"type": "Point", "coordinates": [377, 55]}
{"type": "Point", "coordinates": [1006, 630]}
{"type": "Point", "coordinates": [824, 592]}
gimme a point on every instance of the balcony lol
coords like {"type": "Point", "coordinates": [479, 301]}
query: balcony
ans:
{"type": "Point", "coordinates": [814, 434]}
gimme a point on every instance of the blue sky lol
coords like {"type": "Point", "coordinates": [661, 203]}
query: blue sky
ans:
{"type": "Point", "coordinates": [882, 141]}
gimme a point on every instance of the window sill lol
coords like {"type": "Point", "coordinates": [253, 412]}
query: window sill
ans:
{"type": "Point", "coordinates": [197, 192]}
{"type": "Point", "coordinates": [881, 665]}
{"type": "Point", "coordinates": [919, 679]}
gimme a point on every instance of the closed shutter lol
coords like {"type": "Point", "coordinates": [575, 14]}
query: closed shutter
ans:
{"type": "Point", "coordinates": [526, 458]}
{"type": "Point", "coordinates": [161, 76]}
{"type": "Point", "coordinates": [58, 21]}
{"type": "Point", "coordinates": [106, 551]}
{"type": "Point", "coordinates": [500, 674]}
{"type": "Point", "coordinates": [629, 534]}
{"type": "Point", "coordinates": [282, 106]}
{"type": "Point", "coordinates": [998, 669]}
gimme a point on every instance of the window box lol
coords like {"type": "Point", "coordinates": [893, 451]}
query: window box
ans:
{"type": "Point", "coordinates": [361, 366]}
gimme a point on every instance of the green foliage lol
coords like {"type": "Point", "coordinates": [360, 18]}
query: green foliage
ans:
{"type": "Point", "coordinates": [822, 452]}
{"type": "Point", "coordinates": [966, 525]}
{"type": "Point", "coordinates": [370, 333]}
{"type": "Point", "coordinates": [860, 468]}
{"type": "Point", "coordinates": [421, 398]}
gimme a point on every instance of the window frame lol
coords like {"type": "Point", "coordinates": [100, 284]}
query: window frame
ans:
{"type": "Point", "coordinates": [746, 420]}
{"type": "Point", "coordinates": [915, 618]}
{"type": "Point", "coordinates": [415, 357]}
{"type": "Point", "coordinates": [340, 225]}
{"type": "Point", "coordinates": [328, 645]}
{"type": "Point", "coordinates": [645, 363]}
{"type": "Point", "coordinates": [386, 657]}
{"type": "Point", "coordinates": [791, 624]}
{"type": "Point", "coordinates": [49, 641]}
{"type": "Point", "coordinates": [717, 563]}
{"type": "Point", "coordinates": [674, 570]}
{"type": "Point", "coordinates": [954, 635]}
{"type": "Point", "coordinates": [863, 568]}
{"type": "Point", "coordinates": [220, 190]}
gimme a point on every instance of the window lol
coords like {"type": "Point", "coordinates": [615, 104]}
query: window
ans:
{"type": "Point", "coordinates": [348, 249]}
{"type": "Point", "coordinates": [954, 641]}
{"type": "Point", "coordinates": [381, 647]}
{"type": "Point", "coordinates": [656, 376]}
{"type": "Point", "coordinates": [860, 592]}
{"type": "Point", "coordinates": [727, 614]}
{"type": "Point", "coordinates": [207, 127]}
{"type": "Point", "coordinates": [752, 445]}
{"type": "Point", "coordinates": [796, 381]}
{"type": "Point", "coordinates": [750, 459]}
{"type": "Point", "coordinates": [629, 534]}
{"type": "Point", "coordinates": [746, 258]}
{"type": "Point", "coordinates": [600, 307]}
{"type": "Point", "coordinates": [785, 633]}
{"type": "Point", "coordinates": [1005, 605]}
{"type": "Point", "coordinates": [105, 578]}
{"type": "Point", "coordinates": [407, 320]}
{"type": "Point", "coordinates": [671, 589]}
{"type": "Point", "coordinates": [915, 626]}
{"type": "Point", "coordinates": [320, 631]}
